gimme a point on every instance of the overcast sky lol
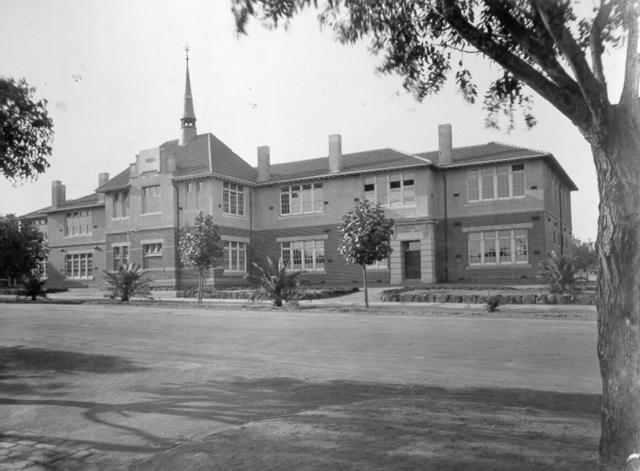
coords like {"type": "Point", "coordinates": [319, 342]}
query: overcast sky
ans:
{"type": "Point", "coordinates": [113, 73]}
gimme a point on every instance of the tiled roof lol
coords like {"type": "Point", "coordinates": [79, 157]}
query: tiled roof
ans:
{"type": "Point", "coordinates": [121, 180]}
{"type": "Point", "coordinates": [82, 202]}
{"type": "Point", "coordinates": [38, 213]}
{"type": "Point", "coordinates": [356, 162]}
{"type": "Point", "coordinates": [207, 154]}
{"type": "Point", "coordinates": [496, 151]}
{"type": "Point", "coordinates": [483, 153]}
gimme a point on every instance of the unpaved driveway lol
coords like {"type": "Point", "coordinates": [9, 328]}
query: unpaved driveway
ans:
{"type": "Point", "coordinates": [126, 383]}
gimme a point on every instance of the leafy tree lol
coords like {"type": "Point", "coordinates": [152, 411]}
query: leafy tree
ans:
{"type": "Point", "coordinates": [22, 248]}
{"type": "Point", "coordinates": [200, 246]}
{"type": "Point", "coordinates": [127, 282]}
{"type": "Point", "coordinates": [559, 272]}
{"type": "Point", "coordinates": [584, 254]}
{"type": "Point", "coordinates": [365, 237]}
{"type": "Point", "coordinates": [556, 49]}
{"type": "Point", "coordinates": [278, 283]}
{"type": "Point", "coordinates": [26, 130]}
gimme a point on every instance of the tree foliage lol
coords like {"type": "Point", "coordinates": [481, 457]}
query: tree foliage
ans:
{"type": "Point", "coordinates": [584, 254]}
{"type": "Point", "coordinates": [26, 131]}
{"type": "Point", "coordinates": [22, 248]}
{"type": "Point", "coordinates": [277, 282]}
{"type": "Point", "coordinates": [200, 246]}
{"type": "Point", "coordinates": [365, 237]}
{"type": "Point", "coordinates": [127, 282]}
{"type": "Point", "coordinates": [559, 272]}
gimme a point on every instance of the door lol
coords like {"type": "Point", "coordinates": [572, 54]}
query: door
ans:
{"type": "Point", "coordinates": [412, 260]}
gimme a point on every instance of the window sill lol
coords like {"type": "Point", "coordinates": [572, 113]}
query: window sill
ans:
{"type": "Point", "coordinates": [155, 213]}
{"type": "Point", "coordinates": [119, 218]}
{"type": "Point", "coordinates": [234, 272]}
{"type": "Point", "coordinates": [490, 200]}
{"type": "Point", "coordinates": [236, 216]}
{"type": "Point", "coordinates": [88, 278]}
{"type": "Point", "coordinates": [78, 236]}
{"type": "Point", "coordinates": [309, 272]}
{"type": "Point", "coordinates": [403, 206]}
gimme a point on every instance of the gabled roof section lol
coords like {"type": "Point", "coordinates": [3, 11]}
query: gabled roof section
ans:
{"type": "Point", "coordinates": [118, 182]}
{"type": "Point", "coordinates": [88, 201]}
{"type": "Point", "coordinates": [497, 152]}
{"type": "Point", "coordinates": [206, 154]}
{"type": "Point", "coordinates": [371, 160]}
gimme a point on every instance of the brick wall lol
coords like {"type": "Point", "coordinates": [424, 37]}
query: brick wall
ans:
{"type": "Point", "coordinates": [454, 249]}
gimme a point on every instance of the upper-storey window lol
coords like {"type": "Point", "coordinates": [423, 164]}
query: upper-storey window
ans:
{"type": "Point", "coordinates": [391, 190]}
{"type": "Point", "coordinates": [41, 225]}
{"type": "Point", "coordinates": [120, 202]}
{"type": "Point", "coordinates": [151, 199]}
{"type": "Point", "coordinates": [233, 198]}
{"type": "Point", "coordinates": [490, 183]}
{"type": "Point", "coordinates": [77, 223]}
{"type": "Point", "coordinates": [302, 199]}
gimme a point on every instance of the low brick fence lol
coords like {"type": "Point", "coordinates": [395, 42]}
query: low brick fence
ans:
{"type": "Point", "coordinates": [402, 295]}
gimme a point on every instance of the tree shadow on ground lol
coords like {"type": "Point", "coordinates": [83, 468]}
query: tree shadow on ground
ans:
{"type": "Point", "coordinates": [19, 359]}
{"type": "Point", "coordinates": [285, 423]}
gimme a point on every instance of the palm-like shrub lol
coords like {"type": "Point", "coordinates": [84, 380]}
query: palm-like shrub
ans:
{"type": "Point", "coordinates": [32, 288]}
{"type": "Point", "coordinates": [128, 281]}
{"type": "Point", "coordinates": [559, 273]}
{"type": "Point", "coordinates": [276, 282]}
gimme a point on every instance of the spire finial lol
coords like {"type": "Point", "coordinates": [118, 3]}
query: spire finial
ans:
{"type": "Point", "coordinates": [186, 50]}
{"type": "Point", "coordinates": [188, 120]}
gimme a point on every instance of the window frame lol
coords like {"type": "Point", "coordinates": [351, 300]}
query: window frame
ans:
{"type": "Point", "coordinates": [476, 182]}
{"type": "Point", "coordinates": [478, 258]}
{"type": "Point", "coordinates": [240, 249]}
{"type": "Point", "coordinates": [75, 271]}
{"type": "Point", "coordinates": [146, 199]}
{"type": "Point", "coordinates": [313, 196]}
{"type": "Point", "coordinates": [233, 199]}
{"type": "Point", "coordinates": [317, 255]}
{"type": "Point", "coordinates": [78, 219]}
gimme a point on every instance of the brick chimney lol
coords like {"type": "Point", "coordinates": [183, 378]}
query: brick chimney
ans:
{"type": "Point", "coordinates": [103, 178]}
{"type": "Point", "coordinates": [58, 193]}
{"type": "Point", "coordinates": [335, 153]}
{"type": "Point", "coordinates": [445, 144]}
{"type": "Point", "coordinates": [264, 164]}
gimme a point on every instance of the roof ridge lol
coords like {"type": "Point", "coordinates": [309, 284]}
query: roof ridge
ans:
{"type": "Point", "coordinates": [520, 147]}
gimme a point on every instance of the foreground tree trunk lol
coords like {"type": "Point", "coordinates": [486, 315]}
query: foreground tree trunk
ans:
{"type": "Point", "coordinates": [616, 152]}
{"type": "Point", "coordinates": [364, 285]}
{"type": "Point", "coordinates": [200, 285]}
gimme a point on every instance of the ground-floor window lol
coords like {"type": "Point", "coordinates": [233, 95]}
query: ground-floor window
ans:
{"type": "Point", "coordinates": [235, 256]}
{"type": "Point", "coordinates": [120, 256]}
{"type": "Point", "coordinates": [498, 247]}
{"type": "Point", "coordinates": [152, 255]}
{"type": "Point", "coordinates": [79, 265]}
{"type": "Point", "coordinates": [305, 255]}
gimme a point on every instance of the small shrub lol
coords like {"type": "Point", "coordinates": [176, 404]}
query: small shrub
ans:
{"type": "Point", "coordinates": [276, 283]}
{"type": "Point", "coordinates": [127, 282]}
{"type": "Point", "coordinates": [32, 288]}
{"type": "Point", "coordinates": [559, 273]}
{"type": "Point", "coordinates": [492, 302]}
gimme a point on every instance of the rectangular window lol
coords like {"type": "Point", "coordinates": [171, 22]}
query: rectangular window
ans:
{"type": "Point", "coordinates": [408, 192]}
{"type": "Point", "coordinates": [302, 199]}
{"type": "Point", "coordinates": [369, 190]}
{"type": "Point", "coordinates": [235, 256]}
{"type": "Point", "coordinates": [233, 198]}
{"type": "Point", "coordinates": [78, 223]}
{"type": "Point", "coordinates": [498, 247]}
{"type": "Point", "coordinates": [79, 265]}
{"type": "Point", "coordinates": [120, 256]}
{"type": "Point", "coordinates": [307, 255]}
{"type": "Point", "coordinates": [200, 197]}
{"type": "Point", "coordinates": [117, 205]}
{"type": "Point", "coordinates": [120, 205]}
{"type": "Point", "coordinates": [491, 183]}
{"type": "Point", "coordinates": [150, 199]}
{"type": "Point", "coordinates": [152, 255]}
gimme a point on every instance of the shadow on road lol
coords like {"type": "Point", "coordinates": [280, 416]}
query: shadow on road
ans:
{"type": "Point", "coordinates": [285, 423]}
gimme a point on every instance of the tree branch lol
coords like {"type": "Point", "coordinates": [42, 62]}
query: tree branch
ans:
{"type": "Point", "coordinates": [632, 66]}
{"type": "Point", "coordinates": [540, 54]}
{"type": "Point", "coordinates": [574, 109]}
{"type": "Point", "coordinates": [593, 91]}
{"type": "Point", "coordinates": [595, 40]}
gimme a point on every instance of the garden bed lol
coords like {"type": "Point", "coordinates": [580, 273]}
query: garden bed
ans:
{"type": "Point", "coordinates": [252, 294]}
{"type": "Point", "coordinates": [468, 295]}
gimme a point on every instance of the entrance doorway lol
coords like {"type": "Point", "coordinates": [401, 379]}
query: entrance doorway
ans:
{"type": "Point", "coordinates": [411, 251]}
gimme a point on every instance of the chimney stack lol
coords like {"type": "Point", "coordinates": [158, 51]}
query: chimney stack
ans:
{"type": "Point", "coordinates": [103, 178]}
{"type": "Point", "coordinates": [58, 193]}
{"type": "Point", "coordinates": [335, 153]}
{"type": "Point", "coordinates": [264, 164]}
{"type": "Point", "coordinates": [445, 144]}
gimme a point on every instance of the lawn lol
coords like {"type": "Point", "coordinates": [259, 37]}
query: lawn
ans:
{"type": "Point", "coordinates": [117, 387]}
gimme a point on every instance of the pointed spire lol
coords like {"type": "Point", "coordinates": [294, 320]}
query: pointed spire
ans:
{"type": "Point", "coordinates": [188, 120]}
